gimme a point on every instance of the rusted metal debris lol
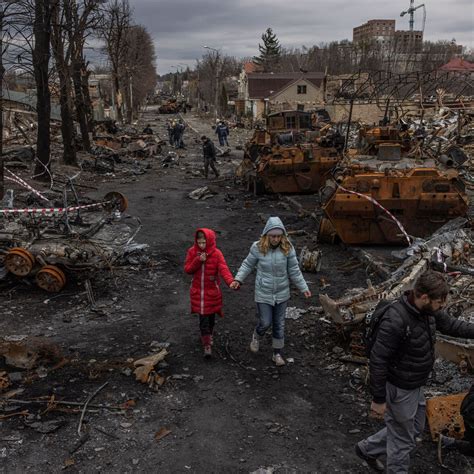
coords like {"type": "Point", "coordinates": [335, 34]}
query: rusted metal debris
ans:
{"type": "Point", "coordinates": [31, 352]}
{"type": "Point", "coordinates": [444, 417]}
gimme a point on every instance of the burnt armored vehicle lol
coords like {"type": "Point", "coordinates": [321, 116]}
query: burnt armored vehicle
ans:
{"type": "Point", "coordinates": [289, 155]}
{"type": "Point", "coordinates": [380, 195]}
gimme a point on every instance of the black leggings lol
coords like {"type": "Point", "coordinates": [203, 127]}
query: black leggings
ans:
{"type": "Point", "coordinates": [206, 324]}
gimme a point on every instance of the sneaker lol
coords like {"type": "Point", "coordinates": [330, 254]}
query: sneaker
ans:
{"type": "Point", "coordinates": [207, 352]}
{"type": "Point", "coordinates": [254, 343]}
{"type": "Point", "coordinates": [278, 359]}
{"type": "Point", "coordinates": [373, 463]}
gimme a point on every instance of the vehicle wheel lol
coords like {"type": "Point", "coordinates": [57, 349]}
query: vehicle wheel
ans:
{"type": "Point", "coordinates": [19, 261]}
{"type": "Point", "coordinates": [51, 279]}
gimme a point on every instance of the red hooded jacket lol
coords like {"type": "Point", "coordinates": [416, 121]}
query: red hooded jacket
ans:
{"type": "Point", "coordinates": [206, 295]}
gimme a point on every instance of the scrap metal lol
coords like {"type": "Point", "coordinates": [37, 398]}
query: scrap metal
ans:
{"type": "Point", "coordinates": [444, 417]}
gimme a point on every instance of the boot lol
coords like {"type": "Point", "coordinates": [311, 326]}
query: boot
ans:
{"type": "Point", "coordinates": [254, 343]}
{"type": "Point", "coordinates": [206, 343]}
{"type": "Point", "coordinates": [278, 359]}
{"type": "Point", "coordinates": [207, 352]}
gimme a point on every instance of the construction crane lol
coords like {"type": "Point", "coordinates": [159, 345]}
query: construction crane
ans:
{"type": "Point", "coordinates": [412, 11]}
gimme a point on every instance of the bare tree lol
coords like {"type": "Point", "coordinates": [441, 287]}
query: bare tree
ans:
{"type": "Point", "coordinates": [7, 12]}
{"type": "Point", "coordinates": [41, 57]}
{"type": "Point", "coordinates": [62, 55]}
{"type": "Point", "coordinates": [138, 71]}
{"type": "Point", "coordinates": [116, 21]}
{"type": "Point", "coordinates": [211, 72]}
{"type": "Point", "coordinates": [82, 18]}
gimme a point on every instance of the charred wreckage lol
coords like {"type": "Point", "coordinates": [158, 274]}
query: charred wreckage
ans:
{"type": "Point", "coordinates": [47, 243]}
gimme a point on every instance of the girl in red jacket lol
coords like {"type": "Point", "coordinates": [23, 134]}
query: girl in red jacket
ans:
{"type": "Point", "coordinates": [206, 263]}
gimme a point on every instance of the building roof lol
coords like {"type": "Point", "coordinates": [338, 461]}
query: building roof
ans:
{"type": "Point", "coordinates": [29, 100]}
{"type": "Point", "coordinates": [250, 67]}
{"type": "Point", "coordinates": [264, 85]}
{"type": "Point", "coordinates": [458, 64]}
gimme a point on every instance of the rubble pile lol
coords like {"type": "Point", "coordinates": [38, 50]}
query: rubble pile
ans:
{"type": "Point", "coordinates": [451, 250]}
{"type": "Point", "coordinates": [133, 151]}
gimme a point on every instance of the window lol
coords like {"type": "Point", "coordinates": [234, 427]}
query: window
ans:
{"type": "Point", "coordinates": [301, 89]}
{"type": "Point", "coordinates": [290, 122]}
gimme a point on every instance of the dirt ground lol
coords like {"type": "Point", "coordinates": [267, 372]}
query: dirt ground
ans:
{"type": "Point", "coordinates": [234, 413]}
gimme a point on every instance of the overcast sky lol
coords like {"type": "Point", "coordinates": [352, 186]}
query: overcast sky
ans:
{"type": "Point", "coordinates": [181, 27]}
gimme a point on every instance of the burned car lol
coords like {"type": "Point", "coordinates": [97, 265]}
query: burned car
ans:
{"type": "Point", "coordinates": [47, 243]}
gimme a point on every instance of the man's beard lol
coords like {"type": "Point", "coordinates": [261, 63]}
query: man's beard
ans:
{"type": "Point", "coordinates": [427, 308]}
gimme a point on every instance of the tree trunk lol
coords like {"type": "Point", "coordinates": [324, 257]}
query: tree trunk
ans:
{"type": "Point", "coordinates": [41, 57]}
{"type": "Point", "coordinates": [80, 103]}
{"type": "Point", "coordinates": [86, 94]}
{"type": "Point", "coordinates": [67, 122]}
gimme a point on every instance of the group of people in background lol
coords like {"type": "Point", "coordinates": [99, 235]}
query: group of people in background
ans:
{"type": "Point", "coordinates": [176, 130]}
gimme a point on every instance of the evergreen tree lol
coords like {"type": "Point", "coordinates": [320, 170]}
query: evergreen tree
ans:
{"type": "Point", "coordinates": [270, 51]}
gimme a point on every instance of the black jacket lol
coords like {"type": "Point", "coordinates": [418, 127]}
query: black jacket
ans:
{"type": "Point", "coordinates": [209, 150]}
{"type": "Point", "coordinates": [467, 412]}
{"type": "Point", "coordinates": [404, 354]}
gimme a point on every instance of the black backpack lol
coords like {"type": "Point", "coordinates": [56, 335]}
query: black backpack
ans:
{"type": "Point", "coordinates": [372, 322]}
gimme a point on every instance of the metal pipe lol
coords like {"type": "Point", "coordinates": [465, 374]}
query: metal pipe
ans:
{"type": "Point", "coordinates": [446, 161]}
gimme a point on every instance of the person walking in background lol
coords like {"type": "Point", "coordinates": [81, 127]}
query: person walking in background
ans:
{"type": "Point", "coordinates": [222, 131]}
{"type": "Point", "coordinates": [180, 128]}
{"type": "Point", "coordinates": [206, 263]}
{"type": "Point", "coordinates": [209, 152]}
{"type": "Point", "coordinates": [275, 259]}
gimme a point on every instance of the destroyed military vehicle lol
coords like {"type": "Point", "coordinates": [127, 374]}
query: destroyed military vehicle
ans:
{"type": "Point", "coordinates": [45, 244]}
{"type": "Point", "coordinates": [380, 193]}
{"type": "Point", "coordinates": [172, 106]}
{"type": "Point", "coordinates": [289, 155]}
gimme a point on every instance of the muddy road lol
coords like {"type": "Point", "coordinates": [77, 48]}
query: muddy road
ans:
{"type": "Point", "coordinates": [233, 413]}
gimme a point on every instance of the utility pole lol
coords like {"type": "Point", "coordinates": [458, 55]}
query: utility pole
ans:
{"type": "Point", "coordinates": [216, 97]}
{"type": "Point", "coordinates": [198, 90]}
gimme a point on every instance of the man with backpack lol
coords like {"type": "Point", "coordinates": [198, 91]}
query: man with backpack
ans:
{"type": "Point", "coordinates": [402, 354]}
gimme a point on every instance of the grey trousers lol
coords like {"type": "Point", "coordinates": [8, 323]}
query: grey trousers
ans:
{"type": "Point", "coordinates": [404, 421]}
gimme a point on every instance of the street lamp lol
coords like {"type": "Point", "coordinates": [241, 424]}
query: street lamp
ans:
{"type": "Point", "coordinates": [216, 97]}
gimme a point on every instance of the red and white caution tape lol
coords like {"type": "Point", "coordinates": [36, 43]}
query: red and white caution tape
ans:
{"type": "Point", "coordinates": [377, 204]}
{"type": "Point", "coordinates": [21, 182]}
{"type": "Point", "coordinates": [52, 210]}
